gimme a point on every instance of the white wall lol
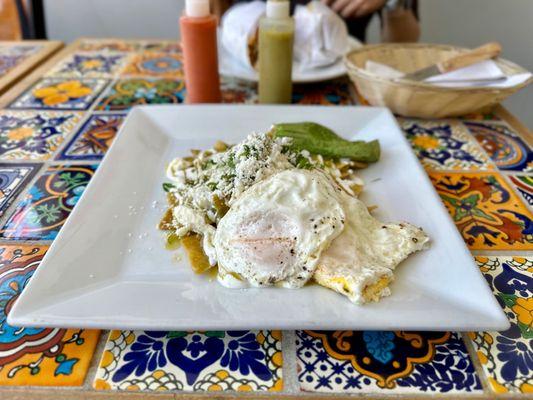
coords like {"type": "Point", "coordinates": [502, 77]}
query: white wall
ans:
{"type": "Point", "coordinates": [461, 22]}
{"type": "Point", "coordinates": [67, 20]}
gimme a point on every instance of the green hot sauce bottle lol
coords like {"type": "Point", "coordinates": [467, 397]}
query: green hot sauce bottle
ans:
{"type": "Point", "coordinates": [276, 37]}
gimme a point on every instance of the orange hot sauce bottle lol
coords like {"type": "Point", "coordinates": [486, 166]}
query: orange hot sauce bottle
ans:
{"type": "Point", "coordinates": [199, 43]}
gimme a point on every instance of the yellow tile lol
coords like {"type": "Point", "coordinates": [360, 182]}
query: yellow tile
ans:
{"type": "Point", "coordinates": [489, 215]}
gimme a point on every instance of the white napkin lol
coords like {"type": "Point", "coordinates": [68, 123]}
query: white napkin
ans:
{"type": "Point", "coordinates": [238, 27]}
{"type": "Point", "coordinates": [320, 36]}
{"type": "Point", "coordinates": [483, 74]}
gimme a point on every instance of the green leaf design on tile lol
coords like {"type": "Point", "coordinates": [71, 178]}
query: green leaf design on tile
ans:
{"type": "Point", "coordinates": [72, 180]}
{"type": "Point", "coordinates": [50, 213]}
{"type": "Point", "coordinates": [467, 206]}
{"type": "Point", "coordinates": [470, 201]}
{"type": "Point", "coordinates": [508, 299]}
{"type": "Point", "coordinates": [176, 334]}
{"type": "Point", "coordinates": [481, 214]}
{"type": "Point", "coordinates": [218, 334]}
{"type": "Point", "coordinates": [526, 330]}
{"type": "Point", "coordinates": [460, 212]}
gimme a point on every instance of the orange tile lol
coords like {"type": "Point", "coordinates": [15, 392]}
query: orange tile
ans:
{"type": "Point", "coordinates": [37, 356]}
{"type": "Point", "coordinates": [489, 215]}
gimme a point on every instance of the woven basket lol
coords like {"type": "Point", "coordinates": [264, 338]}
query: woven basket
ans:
{"type": "Point", "coordinates": [418, 99]}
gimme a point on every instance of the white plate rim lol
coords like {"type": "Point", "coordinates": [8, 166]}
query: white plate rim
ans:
{"type": "Point", "coordinates": [19, 317]}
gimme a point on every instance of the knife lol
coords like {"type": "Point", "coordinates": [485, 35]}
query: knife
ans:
{"type": "Point", "coordinates": [485, 52]}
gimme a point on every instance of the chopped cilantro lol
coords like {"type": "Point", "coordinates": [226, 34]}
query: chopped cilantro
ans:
{"type": "Point", "coordinates": [167, 187]}
{"type": "Point", "coordinates": [231, 161]}
{"type": "Point", "coordinates": [208, 164]}
{"type": "Point", "coordinates": [246, 151]}
{"type": "Point", "coordinates": [228, 177]}
{"type": "Point", "coordinates": [303, 163]}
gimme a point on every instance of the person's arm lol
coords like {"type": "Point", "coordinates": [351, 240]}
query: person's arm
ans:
{"type": "Point", "coordinates": [355, 8]}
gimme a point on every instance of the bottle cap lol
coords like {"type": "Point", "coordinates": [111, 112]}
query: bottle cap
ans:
{"type": "Point", "coordinates": [277, 9]}
{"type": "Point", "coordinates": [197, 8]}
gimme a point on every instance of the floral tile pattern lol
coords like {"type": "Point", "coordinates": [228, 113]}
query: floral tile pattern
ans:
{"type": "Point", "coordinates": [507, 357]}
{"type": "Point", "coordinates": [238, 91]}
{"type": "Point", "coordinates": [32, 135]}
{"type": "Point", "coordinates": [524, 184]}
{"type": "Point", "coordinates": [90, 65]}
{"type": "Point", "coordinates": [126, 93]}
{"type": "Point", "coordinates": [156, 64]}
{"type": "Point", "coordinates": [10, 61]}
{"type": "Point", "coordinates": [162, 46]}
{"type": "Point", "coordinates": [19, 48]}
{"type": "Point", "coordinates": [444, 145]}
{"type": "Point", "coordinates": [335, 92]}
{"type": "Point", "coordinates": [384, 362]}
{"type": "Point", "coordinates": [504, 146]}
{"type": "Point", "coordinates": [13, 177]}
{"type": "Point", "coordinates": [93, 138]}
{"type": "Point", "coordinates": [485, 210]}
{"type": "Point", "coordinates": [60, 94]}
{"type": "Point", "coordinates": [104, 45]}
{"type": "Point", "coordinates": [37, 356]}
{"type": "Point", "coordinates": [45, 208]}
{"type": "Point", "coordinates": [13, 55]}
{"type": "Point", "coordinates": [199, 361]}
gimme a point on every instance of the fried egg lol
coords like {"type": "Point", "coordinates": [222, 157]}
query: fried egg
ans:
{"type": "Point", "coordinates": [275, 232]}
{"type": "Point", "coordinates": [360, 261]}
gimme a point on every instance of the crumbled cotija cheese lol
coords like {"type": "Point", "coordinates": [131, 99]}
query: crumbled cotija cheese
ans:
{"type": "Point", "coordinates": [227, 174]}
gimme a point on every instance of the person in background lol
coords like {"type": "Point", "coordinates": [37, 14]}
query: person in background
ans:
{"type": "Point", "coordinates": [399, 18]}
{"type": "Point", "coordinates": [357, 13]}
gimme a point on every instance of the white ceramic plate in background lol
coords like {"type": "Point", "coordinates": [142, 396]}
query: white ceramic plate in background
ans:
{"type": "Point", "coordinates": [232, 67]}
{"type": "Point", "coordinates": [108, 267]}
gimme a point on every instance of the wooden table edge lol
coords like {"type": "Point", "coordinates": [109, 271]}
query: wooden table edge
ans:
{"type": "Point", "coordinates": [70, 393]}
{"type": "Point", "coordinates": [12, 77]}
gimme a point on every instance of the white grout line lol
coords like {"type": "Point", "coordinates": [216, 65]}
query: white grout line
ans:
{"type": "Point", "coordinates": [290, 375]}
{"type": "Point", "coordinates": [95, 362]}
{"type": "Point", "coordinates": [471, 352]}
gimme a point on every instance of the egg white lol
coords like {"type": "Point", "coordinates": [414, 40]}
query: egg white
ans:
{"type": "Point", "coordinates": [359, 263]}
{"type": "Point", "coordinates": [275, 232]}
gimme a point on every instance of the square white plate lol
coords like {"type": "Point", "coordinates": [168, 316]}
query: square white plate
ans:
{"type": "Point", "coordinates": [108, 267]}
